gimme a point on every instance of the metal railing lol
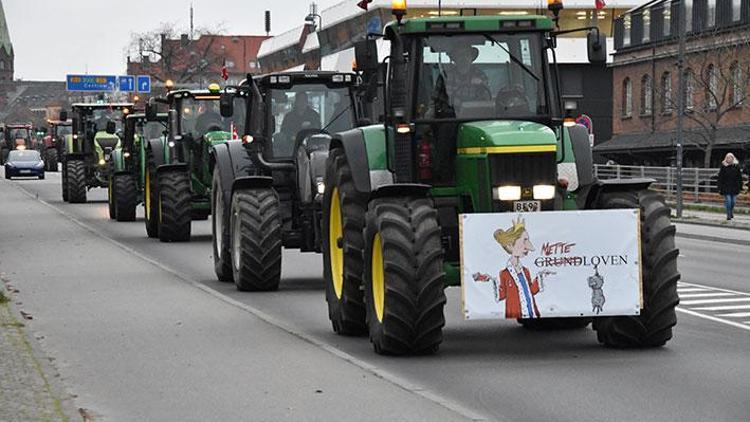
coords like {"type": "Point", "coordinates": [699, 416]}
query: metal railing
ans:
{"type": "Point", "coordinates": [698, 184]}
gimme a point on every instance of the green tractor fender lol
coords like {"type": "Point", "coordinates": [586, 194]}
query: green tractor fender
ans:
{"type": "Point", "coordinates": [157, 150]}
{"type": "Point", "coordinates": [365, 150]}
{"type": "Point", "coordinates": [118, 162]}
{"type": "Point", "coordinates": [233, 162]}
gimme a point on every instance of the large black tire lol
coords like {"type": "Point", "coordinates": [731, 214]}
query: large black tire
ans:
{"type": "Point", "coordinates": [551, 324]}
{"type": "Point", "coordinates": [653, 327]}
{"type": "Point", "coordinates": [175, 197]}
{"type": "Point", "coordinates": [220, 238]}
{"type": "Point", "coordinates": [344, 211]}
{"type": "Point", "coordinates": [125, 193]}
{"type": "Point", "coordinates": [151, 199]}
{"type": "Point", "coordinates": [51, 160]}
{"type": "Point", "coordinates": [4, 155]}
{"type": "Point", "coordinates": [64, 181]}
{"type": "Point", "coordinates": [111, 197]}
{"type": "Point", "coordinates": [255, 225]}
{"type": "Point", "coordinates": [403, 277]}
{"type": "Point", "coordinates": [76, 170]}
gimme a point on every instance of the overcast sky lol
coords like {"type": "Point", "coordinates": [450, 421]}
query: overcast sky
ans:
{"type": "Point", "coordinates": [52, 38]}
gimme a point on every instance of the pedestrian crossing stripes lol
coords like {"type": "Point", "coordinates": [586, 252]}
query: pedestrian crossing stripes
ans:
{"type": "Point", "coordinates": [720, 305]}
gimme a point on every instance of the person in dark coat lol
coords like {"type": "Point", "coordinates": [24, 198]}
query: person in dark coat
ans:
{"type": "Point", "coordinates": [730, 183]}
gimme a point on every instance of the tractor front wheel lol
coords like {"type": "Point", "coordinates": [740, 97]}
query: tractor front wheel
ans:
{"type": "Point", "coordinates": [124, 197]}
{"type": "Point", "coordinates": [403, 277]}
{"type": "Point", "coordinates": [653, 327]}
{"type": "Point", "coordinates": [64, 183]}
{"type": "Point", "coordinates": [255, 225]}
{"type": "Point", "coordinates": [111, 197]}
{"type": "Point", "coordinates": [174, 206]}
{"type": "Point", "coordinates": [151, 199]}
{"type": "Point", "coordinates": [51, 160]}
{"type": "Point", "coordinates": [343, 220]}
{"type": "Point", "coordinates": [76, 181]}
{"type": "Point", "coordinates": [220, 230]}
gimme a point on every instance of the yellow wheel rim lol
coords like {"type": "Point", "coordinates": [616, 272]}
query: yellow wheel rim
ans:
{"type": "Point", "coordinates": [109, 191]}
{"type": "Point", "coordinates": [147, 194]}
{"type": "Point", "coordinates": [378, 278]}
{"type": "Point", "coordinates": [336, 252]}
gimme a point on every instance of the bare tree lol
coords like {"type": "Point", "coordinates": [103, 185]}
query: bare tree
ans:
{"type": "Point", "coordinates": [175, 54]}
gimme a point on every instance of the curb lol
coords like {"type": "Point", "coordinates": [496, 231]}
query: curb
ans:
{"type": "Point", "coordinates": [703, 222]}
{"type": "Point", "coordinates": [713, 239]}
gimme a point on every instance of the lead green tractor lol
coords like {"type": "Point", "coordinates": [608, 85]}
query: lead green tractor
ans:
{"type": "Point", "coordinates": [128, 178]}
{"type": "Point", "coordinates": [178, 176]}
{"type": "Point", "coordinates": [87, 154]}
{"type": "Point", "coordinates": [473, 123]}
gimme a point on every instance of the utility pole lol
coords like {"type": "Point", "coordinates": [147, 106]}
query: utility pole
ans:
{"type": "Point", "coordinates": [191, 21]}
{"type": "Point", "coordinates": [681, 28]}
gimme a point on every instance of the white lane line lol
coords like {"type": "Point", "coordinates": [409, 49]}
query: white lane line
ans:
{"type": "Point", "coordinates": [716, 289]}
{"type": "Point", "coordinates": [690, 289]}
{"type": "Point", "coordinates": [735, 315]}
{"type": "Point", "coordinates": [722, 308]}
{"type": "Point", "coordinates": [697, 295]}
{"type": "Point", "coordinates": [715, 319]}
{"type": "Point", "coordinates": [719, 300]}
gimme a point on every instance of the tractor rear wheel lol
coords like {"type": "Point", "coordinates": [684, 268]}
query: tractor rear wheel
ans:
{"type": "Point", "coordinates": [343, 220]}
{"type": "Point", "coordinates": [175, 199]}
{"type": "Point", "coordinates": [653, 327]}
{"type": "Point", "coordinates": [220, 230]}
{"type": "Point", "coordinates": [64, 182]}
{"type": "Point", "coordinates": [549, 324]}
{"type": "Point", "coordinates": [51, 160]}
{"type": "Point", "coordinates": [151, 199]}
{"type": "Point", "coordinates": [4, 152]}
{"type": "Point", "coordinates": [124, 197]}
{"type": "Point", "coordinates": [111, 197]}
{"type": "Point", "coordinates": [76, 176]}
{"type": "Point", "coordinates": [403, 277]}
{"type": "Point", "coordinates": [255, 225]}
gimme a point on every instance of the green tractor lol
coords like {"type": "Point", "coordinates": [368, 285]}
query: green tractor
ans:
{"type": "Point", "coordinates": [268, 188]}
{"type": "Point", "coordinates": [87, 154]}
{"type": "Point", "coordinates": [128, 176]}
{"type": "Point", "coordinates": [183, 178]}
{"type": "Point", "coordinates": [473, 123]}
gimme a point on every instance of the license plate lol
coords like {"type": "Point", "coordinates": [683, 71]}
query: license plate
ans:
{"type": "Point", "coordinates": [527, 206]}
{"type": "Point", "coordinates": [25, 171]}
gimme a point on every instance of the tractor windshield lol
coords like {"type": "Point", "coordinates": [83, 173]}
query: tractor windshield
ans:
{"type": "Point", "coordinates": [200, 116]}
{"type": "Point", "coordinates": [480, 76]}
{"type": "Point", "coordinates": [306, 109]}
{"type": "Point", "coordinates": [22, 133]}
{"type": "Point", "coordinates": [100, 117]}
{"type": "Point", "coordinates": [152, 130]}
{"type": "Point", "coordinates": [63, 130]}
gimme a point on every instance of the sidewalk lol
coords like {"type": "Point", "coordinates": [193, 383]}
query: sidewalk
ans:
{"type": "Point", "coordinates": [717, 219]}
{"type": "Point", "coordinates": [29, 390]}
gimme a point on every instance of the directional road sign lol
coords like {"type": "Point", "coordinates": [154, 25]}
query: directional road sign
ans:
{"type": "Point", "coordinates": [144, 83]}
{"type": "Point", "coordinates": [91, 83]}
{"type": "Point", "coordinates": [126, 83]}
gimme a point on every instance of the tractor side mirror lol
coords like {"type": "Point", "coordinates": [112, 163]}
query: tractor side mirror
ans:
{"type": "Point", "coordinates": [63, 115]}
{"type": "Point", "coordinates": [597, 47]}
{"type": "Point", "coordinates": [366, 55]}
{"type": "Point", "coordinates": [150, 110]}
{"type": "Point", "coordinates": [226, 104]}
{"type": "Point", "coordinates": [111, 127]}
{"type": "Point", "coordinates": [172, 123]}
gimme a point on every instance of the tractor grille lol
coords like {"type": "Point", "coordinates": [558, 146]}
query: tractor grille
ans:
{"type": "Point", "coordinates": [526, 169]}
{"type": "Point", "coordinates": [107, 142]}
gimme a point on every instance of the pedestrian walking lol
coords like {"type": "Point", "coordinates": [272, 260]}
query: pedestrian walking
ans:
{"type": "Point", "coordinates": [730, 183]}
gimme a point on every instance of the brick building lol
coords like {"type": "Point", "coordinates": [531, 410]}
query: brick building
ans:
{"type": "Point", "coordinates": [645, 83]}
{"type": "Point", "coordinates": [198, 62]}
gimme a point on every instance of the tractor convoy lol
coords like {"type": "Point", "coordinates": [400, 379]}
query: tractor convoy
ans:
{"type": "Point", "coordinates": [378, 170]}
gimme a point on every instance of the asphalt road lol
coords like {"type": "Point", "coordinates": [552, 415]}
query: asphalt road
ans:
{"type": "Point", "coordinates": [142, 330]}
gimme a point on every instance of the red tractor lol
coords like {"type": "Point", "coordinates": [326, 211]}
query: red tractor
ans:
{"type": "Point", "coordinates": [54, 142]}
{"type": "Point", "coordinates": [15, 136]}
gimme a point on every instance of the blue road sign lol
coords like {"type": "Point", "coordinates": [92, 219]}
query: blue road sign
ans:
{"type": "Point", "coordinates": [91, 83]}
{"type": "Point", "coordinates": [126, 83]}
{"type": "Point", "coordinates": [144, 83]}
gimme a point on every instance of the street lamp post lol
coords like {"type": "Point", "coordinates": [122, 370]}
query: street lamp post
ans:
{"type": "Point", "coordinates": [681, 28]}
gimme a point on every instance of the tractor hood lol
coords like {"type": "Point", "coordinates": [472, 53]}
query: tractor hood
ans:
{"type": "Point", "coordinates": [106, 140]}
{"type": "Point", "coordinates": [217, 137]}
{"type": "Point", "coordinates": [482, 137]}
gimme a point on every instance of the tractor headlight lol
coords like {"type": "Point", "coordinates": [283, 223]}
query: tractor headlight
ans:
{"type": "Point", "coordinates": [321, 187]}
{"type": "Point", "coordinates": [544, 191]}
{"type": "Point", "coordinates": [171, 144]}
{"type": "Point", "coordinates": [102, 162]}
{"type": "Point", "coordinates": [507, 193]}
{"type": "Point", "coordinates": [126, 155]}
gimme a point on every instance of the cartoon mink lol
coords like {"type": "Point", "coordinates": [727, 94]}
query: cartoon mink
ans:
{"type": "Point", "coordinates": [516, 286]}
{"type": "Point", "coordinates": [596, 282]}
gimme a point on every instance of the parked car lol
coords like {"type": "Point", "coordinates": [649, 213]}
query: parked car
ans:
{"type": "Point", "coordinates": [24, 163]}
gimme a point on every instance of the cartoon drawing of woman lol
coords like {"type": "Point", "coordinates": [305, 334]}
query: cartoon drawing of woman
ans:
{"type": "Point", "coordinates": [516, 287]}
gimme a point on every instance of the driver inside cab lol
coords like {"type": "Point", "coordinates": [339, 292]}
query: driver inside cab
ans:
{"type": "Point", "coordinates": [465, 82]}
{"type": "Point", "coordinates": [300, 117]}
{"type": "Point", "coordinates": [208, 119]}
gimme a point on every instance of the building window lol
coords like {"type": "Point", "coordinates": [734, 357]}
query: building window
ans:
{"type": "Point", "coordinates": [736, 10]}
{"type": "Point", "coordinates": [647, 97]}
{"type": "Point", "coordinates": [626, 30]}
{"type": "Point", "coordinates": [627, 98]}
{"type": "Point", "coordinates": [689, 90]}
{"type": "Point", "coordinates": [666, 14]}
{"type": "Point", "coordinates": [711, 87]}
{"type": "Point", "coordinates": [646, 19]}
{"type": "Point", "coordinates": [666, 93]}
{"type": "Point", "coordinates": [710, 13]}
{"type": "Point", "coordinates": [737, 88]}
{"type": "Point", "coordinates": [688, 15]}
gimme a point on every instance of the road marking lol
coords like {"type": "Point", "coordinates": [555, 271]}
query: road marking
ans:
{"type": "Point", "coordinates": [719, 304]}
